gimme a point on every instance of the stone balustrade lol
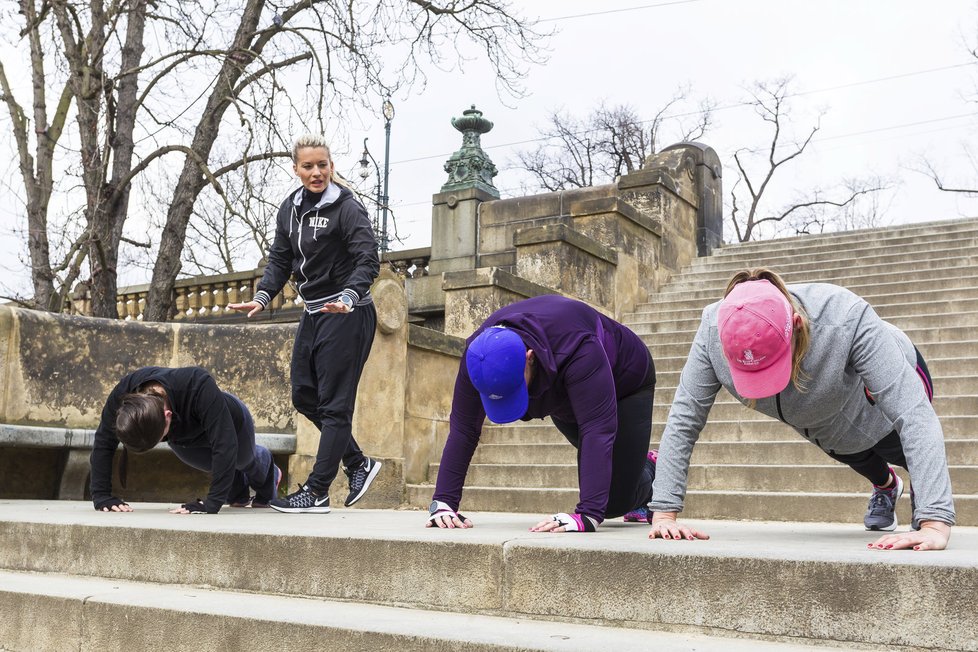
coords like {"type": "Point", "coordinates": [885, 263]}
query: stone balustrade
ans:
{"type": "Point", "coordinates": [206, 298]}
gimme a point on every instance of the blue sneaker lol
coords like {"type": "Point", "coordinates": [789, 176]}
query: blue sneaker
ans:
{"type": "Point", "coordinates": [638, 515]}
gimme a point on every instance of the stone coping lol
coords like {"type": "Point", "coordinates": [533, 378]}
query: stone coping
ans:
{"type": "Point", "coordinates": [79, 438]}
{"type": "Point", "coordinates": [803, 542]}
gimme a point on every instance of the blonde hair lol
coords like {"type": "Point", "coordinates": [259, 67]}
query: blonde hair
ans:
{"type": "Point", "coordinates": [315, 141]}
{"type": "Point", "coordinates": [800, 336]}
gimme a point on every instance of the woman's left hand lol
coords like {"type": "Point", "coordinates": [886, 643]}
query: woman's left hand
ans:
{"type": "Point", "coordinates": [336, 306]}
{"type": "Point", "coordinates": [549, 525]}
{"type": "Point", "coordinates": [196, 507]}
{"type": "Point", "coordinates": [565, 523]}
{"type": "Point", "coordinates": [932, 535]}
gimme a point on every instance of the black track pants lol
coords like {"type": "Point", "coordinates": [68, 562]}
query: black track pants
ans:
{"type": "Point", "coordinates": [327, 360]}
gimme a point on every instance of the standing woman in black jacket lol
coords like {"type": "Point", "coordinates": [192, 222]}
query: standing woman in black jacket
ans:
{"type": "Point", "coordinates": [208, 429]}
{"type": "Point", "coordinates": [323, 233]}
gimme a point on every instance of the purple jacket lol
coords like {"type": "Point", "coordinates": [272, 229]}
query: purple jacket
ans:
{"type": "Point", "coordinates": [586, 362]}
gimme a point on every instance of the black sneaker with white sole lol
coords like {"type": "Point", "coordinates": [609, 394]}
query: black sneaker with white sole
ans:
{"type": "Point", "coordinates": [360, 479]}
{"type": "Point", "coordinates": [303, 501]}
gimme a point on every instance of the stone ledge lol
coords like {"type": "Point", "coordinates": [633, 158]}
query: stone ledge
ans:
{"type": "Point", "coordinates": [563, 233]}
{"type": "Point", "coordinates": [432, 340]}
{"type": "Point", "coordinates": [493, 276]}
{"type": "Point", "coordinates": [13, 435]}
{"type": "Point", "coordinates": [615, 205]}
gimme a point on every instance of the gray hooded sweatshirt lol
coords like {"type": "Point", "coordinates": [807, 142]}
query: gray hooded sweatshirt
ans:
{"type": "Point", "coordinates": [850, 348]}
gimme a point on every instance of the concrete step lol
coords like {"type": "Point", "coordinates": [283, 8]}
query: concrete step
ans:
{"type": "Point", "coordinates": [776, 506]}
{"type": "Point", "coordinates": [798, 451]}
{"type": "Point", "coordinates": [896, 308]}
{"type": "Point", "coordinates": [556, 453]}
{"type": "Point", "coordinates": [968, 319]}
{"type": "Point", "coordinates": [934, 271]}
{"type": "Point", "coordinates": [815, 245]}
{"type": "Point", "coordinates": [766, 429]}
{"type": "Point", "coordinates": [750, 426]}
{"type": "Point", "coordinates": [804, 507]}
{"type": "Point", "coordinates": [527, 476]}
{"type": "Point", "coordinates": [668, 370]}
{"type": "Point", "coordinates": [917, 334]}
{"type": "Point", "coordinates": [945, 406]}
{"type": "Point", "coordinates": [49, 611]}
{"type": "Point", "coordinates": [498, 569]}
{"type": "Point", "coordinates": [966, 349]}
{"type": "Point", "coordinates": [966, 283]}
{"type": "Point", "coordinates": [894, 235]}
{"type": "Point", "coordinates": [841, 259]}
{"type": "Point", "coordinates": [537, 432]}
{"type": "Point", "coordinates": [827, 477]}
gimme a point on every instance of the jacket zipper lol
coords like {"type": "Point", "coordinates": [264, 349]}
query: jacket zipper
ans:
{"type": "Point", "coordinates": [777, 400]}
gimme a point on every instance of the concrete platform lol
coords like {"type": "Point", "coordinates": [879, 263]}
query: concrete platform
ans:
{"type": "Point", "coordinates": [788, 581]}
{"type": "Point", "coordinates": [60, 612]}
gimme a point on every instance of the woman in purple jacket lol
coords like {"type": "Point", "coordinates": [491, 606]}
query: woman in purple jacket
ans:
{"type": "Point", "coordinates": [553, 356]}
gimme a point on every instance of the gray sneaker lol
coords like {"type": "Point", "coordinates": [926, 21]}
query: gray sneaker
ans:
{"type": "Point", "coordinates": [881, 513]}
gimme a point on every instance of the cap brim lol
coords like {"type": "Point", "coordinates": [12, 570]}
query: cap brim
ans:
{"type": "Point", "coordinates": [765, 382]}
{"type": "Point", "coordinates": [507, 409]}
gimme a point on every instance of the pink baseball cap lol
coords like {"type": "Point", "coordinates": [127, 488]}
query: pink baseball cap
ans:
{"type": "Point", "coordinates": [755, 323]}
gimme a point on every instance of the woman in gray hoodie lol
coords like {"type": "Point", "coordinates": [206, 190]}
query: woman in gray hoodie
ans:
{"type": "Point", "coordinates": [819, 358]}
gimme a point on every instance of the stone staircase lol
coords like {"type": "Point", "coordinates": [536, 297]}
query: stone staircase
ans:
{"type": "Point", "coordinates": [355, 579]}
{"type": "Point", "coordinates": [922, 278]}
{"type": "Point", "coordinates": [75, 579]}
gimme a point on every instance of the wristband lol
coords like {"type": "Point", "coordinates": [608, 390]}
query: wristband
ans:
{"type": "Point", "coordinates": [575, 522]}
{"type": "Point", "coordinates": [437, 509]}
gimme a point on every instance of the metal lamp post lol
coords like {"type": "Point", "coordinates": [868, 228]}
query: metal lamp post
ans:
{"type": "Point", "coordinates": [365, 160]}
{"type": "Point", "coordinates": [388, 116]}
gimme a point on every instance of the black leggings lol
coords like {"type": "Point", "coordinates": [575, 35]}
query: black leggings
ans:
{"type": "Point", "coordinates": [631, 477]}
{"type": "Point", "coordinates": [873, 464]}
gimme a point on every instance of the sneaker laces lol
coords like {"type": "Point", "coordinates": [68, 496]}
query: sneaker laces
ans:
{"type": "Point", "coordinates": [358, 476]}
{"type": "Point", "coordinates": [881, 500]}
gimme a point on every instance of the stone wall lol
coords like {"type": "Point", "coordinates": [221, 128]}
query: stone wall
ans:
{"type": "Point", "coordinates": [610, 245]}
{"type": "Point", "coordinates": [56, 370]}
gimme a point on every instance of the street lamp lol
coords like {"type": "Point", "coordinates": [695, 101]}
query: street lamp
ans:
{"type": "Point", "coordinates": [365, 160]}
{"type": "Point", "coordinates": [388, 110]}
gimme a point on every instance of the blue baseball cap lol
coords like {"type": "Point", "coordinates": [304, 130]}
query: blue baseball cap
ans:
{"type": "Point", "coordinates": [496, 360]}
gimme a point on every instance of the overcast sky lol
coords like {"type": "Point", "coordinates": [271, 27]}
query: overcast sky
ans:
{"type": "Point", "coordinates": [895, 79]}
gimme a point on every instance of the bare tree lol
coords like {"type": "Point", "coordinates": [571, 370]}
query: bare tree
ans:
{"type": "Point", "coordinates": [749, 210]}
{"type": "Point", "coordinates": [865, 209]}
{"type": "Point", "coordinates": [36, 136]}
{"type": "Point", "coordinates": [609, 142]}
{"type": "Point", "coordinates": [174, 78]}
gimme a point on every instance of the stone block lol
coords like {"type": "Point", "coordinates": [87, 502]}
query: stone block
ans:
{"type": "Point", "coordinates": [470, 297]}
{"type": "Point", "coordinates": [558, 257]}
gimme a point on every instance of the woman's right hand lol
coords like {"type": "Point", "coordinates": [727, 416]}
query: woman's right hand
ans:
{"type": "Point", "coordinates": [113, 504]}
{"type": "Point", "coordinates": [664, 526]}
{"type": "Point", "coordinates": [443, 516]}
{"type": "Point", "coordinates": [253, 307]}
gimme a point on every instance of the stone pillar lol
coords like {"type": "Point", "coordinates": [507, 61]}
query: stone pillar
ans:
{"type": "Point", "coordinates": [454, 216]}
{"type": "Point", "coordinates": [708, 186]}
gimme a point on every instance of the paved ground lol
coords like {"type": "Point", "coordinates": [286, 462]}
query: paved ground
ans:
{"type": "Point", "coordinates": [812, 541]}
